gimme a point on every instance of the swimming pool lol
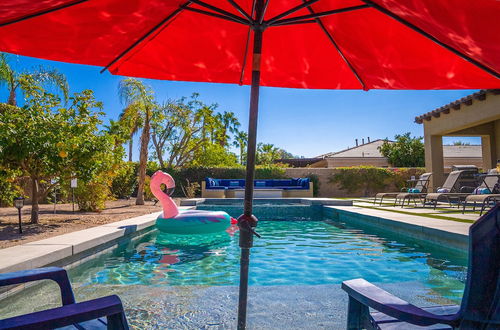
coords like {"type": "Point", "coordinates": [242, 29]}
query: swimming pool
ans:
{"type": "Point", "coordinates": [166, 280]}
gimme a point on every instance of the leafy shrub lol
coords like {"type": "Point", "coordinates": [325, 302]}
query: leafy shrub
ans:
{"type": "Point", "coordinates": [370, 179]}
{"type": "Point", "coordinates": [315, 181]}
{"type": "Point", "coordinates": [125, 181]}
{"type": "Point", "coordinates": [91, 197]}
{"type": "Point", "coordinates": [148, 194]}
{"type": "Point", "coordinates": [190, 189]}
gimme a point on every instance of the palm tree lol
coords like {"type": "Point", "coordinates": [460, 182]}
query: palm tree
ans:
{"type": "Point", "coordinates": [130, 118]}
{"type": "Point", "coordinates": [240, 141]}
{"type": "Point", "coordinates": [139, 99]}
{"type": "Point", "coordinates": [228, 122]}
{"type": "Point", "coordinates": [40, 77]}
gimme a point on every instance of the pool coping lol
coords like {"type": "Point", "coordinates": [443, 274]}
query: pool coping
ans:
{"type": "Point", "coordinates": [447, 233]}
{"type": "Point", "coordinates": [298, 200]}
{"type": "Point", "coordinates": [55, 249]}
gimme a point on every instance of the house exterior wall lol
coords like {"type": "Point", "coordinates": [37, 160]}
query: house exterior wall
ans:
{"type": "Point", "coordinates": [475, 118]}
{"type": "Point", "coordinates": [357, 161]}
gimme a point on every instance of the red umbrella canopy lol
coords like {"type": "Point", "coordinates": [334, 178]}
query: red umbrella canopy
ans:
{"type": "Point", "coordinates": [381, 44]}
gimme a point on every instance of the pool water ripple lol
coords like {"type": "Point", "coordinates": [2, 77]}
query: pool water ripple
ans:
{"type": "Point", "coordinates": [289, 253]}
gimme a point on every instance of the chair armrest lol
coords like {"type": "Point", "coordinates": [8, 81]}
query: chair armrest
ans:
{"type": "Point", "coordinates": [109, 306]}
{"type": "Point", "coordinates": [382, 301]}
{"type": "Point", "coordinates": [56, 274]}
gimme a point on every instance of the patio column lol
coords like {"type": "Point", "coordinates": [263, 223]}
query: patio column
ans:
{"type": "Point", "coordinates": [495, 142]}
{"type": "Point", "coordinates": [488, 152]}
{"type": "Point", "coordinates": [434, 160]}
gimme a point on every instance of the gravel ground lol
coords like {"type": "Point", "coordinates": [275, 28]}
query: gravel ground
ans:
{"type": "Point", "coordinates": [64, 221]}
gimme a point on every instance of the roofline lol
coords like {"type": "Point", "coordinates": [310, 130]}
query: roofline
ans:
{"type": "Point", "coordinates": [330, 154]}
{"type": "Point", "coordinates": [456, 105]}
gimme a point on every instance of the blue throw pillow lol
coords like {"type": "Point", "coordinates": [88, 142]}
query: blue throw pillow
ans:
{"type": "Point", "coordinates": [443, 190]}
{"type": "Point", "coordinates": [414, 190]}
{"type": "Point", "coordinates": [481, 191]}
{"type": "Point", "coordinates": [260, 183]}
{"type": "Point", "coordinates": [234, 183]}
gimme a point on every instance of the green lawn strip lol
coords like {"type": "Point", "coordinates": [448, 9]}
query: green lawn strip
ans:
{"type": "Point", "coordinates": [440, 217]}
{"type": "Point", "coordinates": [450, 210]}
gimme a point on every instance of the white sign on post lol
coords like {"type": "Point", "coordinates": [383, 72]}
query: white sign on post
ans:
{"type": "Point", "coordinates": [74, 183]}
{"type": "Point", "coordinates": [412, 178]}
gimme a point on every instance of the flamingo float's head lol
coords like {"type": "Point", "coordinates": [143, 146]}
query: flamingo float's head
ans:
{"type": "Point", "coordinates": [160, 177]}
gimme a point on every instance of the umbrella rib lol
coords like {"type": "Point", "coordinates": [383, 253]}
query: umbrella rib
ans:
{"type": "Point", "coordinates": [320, 14]}
{"type": "Point", "coordinates": [305, 21]}
{"type": "Point", "coordinates": [291, 11]}
{"type": "Point", "coordinates": [432, 38]}
{"type": "Point", "coordinates": [224, 17]}
{"type": "Point", "coordinates": [242, 75]}
{"type": "Point", "coordinates": [264, 9]}
{"type": "Point", "coordinates": [221, 11]}
{"type": "Point", "coordinates": [330, 37]}
{"type": "Point", "coordinates": [43, 12]}
{"type": "Point", "coordinates": [240, 10]}
{"type": "Point", "coordinates": [149, 33]}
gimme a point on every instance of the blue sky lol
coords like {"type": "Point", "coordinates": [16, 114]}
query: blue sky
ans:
{"type": "Point", "coordinates": [304, 122]}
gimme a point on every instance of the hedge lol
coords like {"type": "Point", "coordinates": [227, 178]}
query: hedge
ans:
{"type": "Point", "coordinates": [370, 179]}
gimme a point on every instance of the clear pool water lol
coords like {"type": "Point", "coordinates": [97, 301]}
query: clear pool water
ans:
{"type": "Point", "coordinates": [289, 253]}
{"type": "Point", "coordinates": [172, 281]}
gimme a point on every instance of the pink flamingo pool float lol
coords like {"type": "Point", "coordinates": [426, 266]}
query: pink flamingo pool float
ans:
{"type": "Point", "coordinates": [174, 221]}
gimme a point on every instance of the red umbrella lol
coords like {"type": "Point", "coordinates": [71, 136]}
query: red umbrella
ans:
{"type": "Point", "coordinates": [334, 44]}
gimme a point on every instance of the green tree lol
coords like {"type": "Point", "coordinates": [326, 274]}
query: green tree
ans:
{"type": "Point", "coordinates": [227, 123]}
{"type": "Point", "coordinates": [405, 151]}
{"type": "Point", "coordinates": [267, 153]}
{"type": "Point", "coordinates": [461, 143]}
{"type": "Point", "coordinates": [131, 121]}
{"type": "Point", "coordinates": [139, 98]}
{"type": "Point", "coordinates": [240, 142]}
{"type": "Point", "coordinates": [182, 130]}
{"type": "Point", "coordinates": [48, 143]}
{"type": "Point", "coordinates": [214, 155]}
{"type": "Point", "coordinates": [24, 80]}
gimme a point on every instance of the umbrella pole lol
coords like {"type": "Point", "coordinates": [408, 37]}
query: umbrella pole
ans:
{"type": "Point", "coordinates": [247, 221]}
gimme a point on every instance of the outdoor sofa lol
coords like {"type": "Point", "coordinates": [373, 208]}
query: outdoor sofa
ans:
{"type": "Point", "coordinates": [232, 188]}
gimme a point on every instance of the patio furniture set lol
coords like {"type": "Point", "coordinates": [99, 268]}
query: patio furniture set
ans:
{"type": "Point", "coordinates": [462, 187]}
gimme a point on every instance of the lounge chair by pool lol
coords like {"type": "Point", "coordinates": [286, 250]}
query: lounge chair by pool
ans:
{"type": "Point", "coordinates": [452, 184]}
{"type": "Point", "coordinates": [480, 308]}
{"type": "Point", "coordinates": [421, 186]}
{"type": "Point", "coordinates": [465, 192]}
{"type": "Point", "coordinates": [101, 313]}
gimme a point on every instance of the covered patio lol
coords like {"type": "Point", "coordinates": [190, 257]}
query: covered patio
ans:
{"type": "Point", "coordinates": [475, 115]}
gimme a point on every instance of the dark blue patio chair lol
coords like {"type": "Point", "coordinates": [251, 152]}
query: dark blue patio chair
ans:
{"type": "Point", "coordinates": [480, 307]}
{"type": "Point", "coordinates": [101, 313]}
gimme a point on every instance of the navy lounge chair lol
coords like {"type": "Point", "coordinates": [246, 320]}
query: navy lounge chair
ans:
{"type": "Point", "coordinates": [480, 308]}
{"type": "Point", "coordinates": [101, 313]}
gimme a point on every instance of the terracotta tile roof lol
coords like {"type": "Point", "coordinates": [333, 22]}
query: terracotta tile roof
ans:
{"type": "Point", "coordinates": [456, 105]}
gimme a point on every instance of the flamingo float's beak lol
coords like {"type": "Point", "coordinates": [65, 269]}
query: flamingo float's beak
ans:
{"type": "Point", "coordinates": [234, 221]}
